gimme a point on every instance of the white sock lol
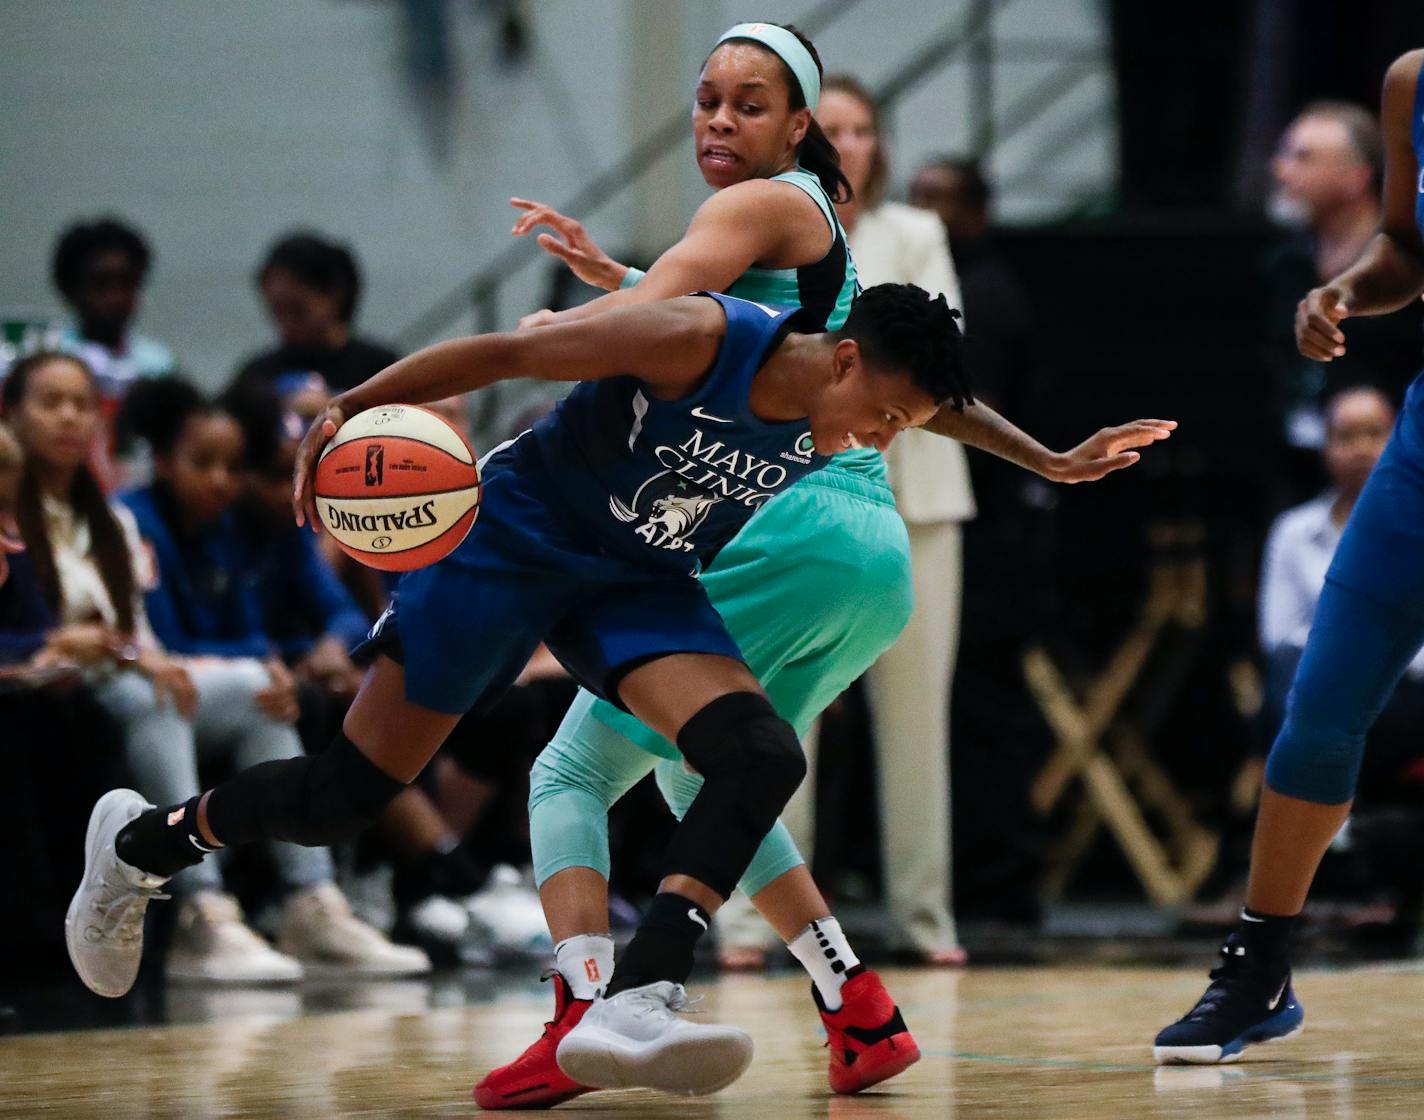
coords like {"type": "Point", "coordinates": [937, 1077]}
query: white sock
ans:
{"type": "Point", "coordinates": [826, 954]}
{"type": "Point", "coordinates": [586, 962]}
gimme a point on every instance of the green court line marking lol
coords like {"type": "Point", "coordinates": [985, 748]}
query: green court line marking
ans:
{"type": "Point", "coordinates": [1230, 1071]}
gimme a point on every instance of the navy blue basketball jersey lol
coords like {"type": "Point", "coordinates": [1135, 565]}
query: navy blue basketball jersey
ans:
{"type": "Point", "coordinates": [670, 482]}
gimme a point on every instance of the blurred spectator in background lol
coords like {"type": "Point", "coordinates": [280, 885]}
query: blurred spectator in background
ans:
{"type": "Point", "coordinates": [60, 751]}
{"type": "Point", "coordinates": [1327, 175]}
{"type": "Point", "coordinates": [12, 463]}
{"type": "Point", "coordinates": [1299, 549]}
{"type": "Point", "coordinates": [204, 602]}
{"type": "Point", "coordinates": [994, 301]}
{"type": "Point", "coordinates": [100, 269]}
{"type": "Point", "coordinates": [1001, 738]}
{"type": "Point", "coordinates": [307, 613]}
{"type": "Point", "coordinates": [312, 288]}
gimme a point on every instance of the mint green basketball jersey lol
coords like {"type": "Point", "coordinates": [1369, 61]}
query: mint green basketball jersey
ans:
{"type": "Point", "coordinates": [826, 288]}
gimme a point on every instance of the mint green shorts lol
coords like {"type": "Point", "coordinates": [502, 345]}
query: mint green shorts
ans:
{"type": "Point", "coordinates": [814, 589]}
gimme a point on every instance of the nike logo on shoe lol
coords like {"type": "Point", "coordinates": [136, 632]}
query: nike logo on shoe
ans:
{"type": "Point", "coordinates": [1276, 1002]}
{"type": "Point", "coordinates": [708, 416]}
{"type": "Point", "coordinates": [696, 917]}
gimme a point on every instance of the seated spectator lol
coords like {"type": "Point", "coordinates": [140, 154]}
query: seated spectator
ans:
{"type": "Point", "coordinates": [307, 614]}
{"type": "Point", "coordinates": [1326, 176]}
{"type": "Point", "coordinates": [61, 753]}
{"type": "Point", "coordinates": [97, 578]}
{"type": "Point", "coordinates": [312, 288]}
{"type": "Point", "coordinates": [100, 269]}
{"type": "Point", "coordinates": [1299, 549]}
{"type": "Point", "coordinates": [12, 462]}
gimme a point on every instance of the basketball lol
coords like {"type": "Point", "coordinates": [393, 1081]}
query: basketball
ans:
{"type": "Point", "coordinates": [397, 487]}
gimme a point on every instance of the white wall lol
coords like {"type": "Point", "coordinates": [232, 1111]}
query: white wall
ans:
{"type": "Point", "coordinates": [214, 126]}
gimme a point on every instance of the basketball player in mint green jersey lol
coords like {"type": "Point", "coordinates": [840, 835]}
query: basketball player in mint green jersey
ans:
{"type": "Point", "coordinates": [814, 588]}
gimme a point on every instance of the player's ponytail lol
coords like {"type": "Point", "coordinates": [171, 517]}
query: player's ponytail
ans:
{"type": "Point", "coordinates": [817, 154]}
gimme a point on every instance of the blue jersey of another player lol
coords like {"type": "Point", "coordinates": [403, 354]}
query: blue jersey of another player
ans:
{"type": "Point", "coordinates": [670, 482]}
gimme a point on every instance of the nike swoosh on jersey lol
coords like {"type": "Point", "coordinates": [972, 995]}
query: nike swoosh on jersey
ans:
{"type": "Point", "coordinates": [708, 416]}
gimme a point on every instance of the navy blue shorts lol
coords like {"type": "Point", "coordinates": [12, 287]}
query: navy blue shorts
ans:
{"type": "Point", "coordinates": [464, 628]}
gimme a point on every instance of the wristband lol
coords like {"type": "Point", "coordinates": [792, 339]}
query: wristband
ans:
{"type": "Point", "coordinates": [631, 277]}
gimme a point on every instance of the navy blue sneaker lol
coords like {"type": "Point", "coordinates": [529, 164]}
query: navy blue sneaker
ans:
{"type": "Point", "coordinates": [1244, 1004]}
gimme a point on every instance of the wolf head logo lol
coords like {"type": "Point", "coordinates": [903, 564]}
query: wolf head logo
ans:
{"type": "Point", "coordinates": [677, 516]}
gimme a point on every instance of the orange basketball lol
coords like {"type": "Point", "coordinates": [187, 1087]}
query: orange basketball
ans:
{"type": "Point", "coordinates": [397, 487]}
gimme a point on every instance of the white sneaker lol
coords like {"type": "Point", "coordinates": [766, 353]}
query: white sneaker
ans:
{"type": "Point", "coordinates": [319, 929]}
{"type": "Point", "coordinates": [103, 928]}
{"type": "Point", "coordinates": [447, 928]}
{"type": "Point", "coordinates": [211, 944]}
{"type": "Point", "coordinates": [634, 1039]}
{"type": "Point", "coordinates": [510, 911]}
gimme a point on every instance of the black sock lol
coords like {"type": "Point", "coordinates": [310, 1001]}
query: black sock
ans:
{"type": "Point", "coordinates": [662, 947]}
{"type": "Point", "coordinates": [163, 841]}
{"type": "Point", "coordinates": [1268, 937]}
{"type": "Point", "coordinates": [451, 871]}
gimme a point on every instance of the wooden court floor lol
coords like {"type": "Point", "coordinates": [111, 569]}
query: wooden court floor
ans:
{"type": "Point", "coordinates": [1049, 1043]}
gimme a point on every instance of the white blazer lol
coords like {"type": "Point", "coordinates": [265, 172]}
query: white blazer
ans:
{"type": "Point", "coordinates": [897, 244]}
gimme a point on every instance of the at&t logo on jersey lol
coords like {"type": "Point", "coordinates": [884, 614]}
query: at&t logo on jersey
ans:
{"type": "Point", "coordinates": [802, 452]}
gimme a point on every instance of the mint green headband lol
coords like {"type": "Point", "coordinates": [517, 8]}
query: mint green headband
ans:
{"type": "Point", "coordinates": [789, 49]}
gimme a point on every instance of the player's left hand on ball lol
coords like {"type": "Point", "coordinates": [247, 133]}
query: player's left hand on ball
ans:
{"type": "Point", "coordinates": [326, 424]}
{"type": "Point", "coordinates": [1107, 450]}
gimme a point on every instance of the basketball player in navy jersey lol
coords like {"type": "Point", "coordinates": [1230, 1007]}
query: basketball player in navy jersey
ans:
{"type": "Point", "coordinates": [1369, 624]}
{"type": "Point", "coordinates": [689, 415]}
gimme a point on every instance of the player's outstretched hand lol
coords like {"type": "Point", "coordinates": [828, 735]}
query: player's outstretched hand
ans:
{"type": "Point", "coordinates": [1107, 450]}
{"type": "Point", "coordinates": [573, 245]}
{"type": "Point", "coordinates": [1317, 322]}
{"type": "Point", "coordinates": [318, 435]}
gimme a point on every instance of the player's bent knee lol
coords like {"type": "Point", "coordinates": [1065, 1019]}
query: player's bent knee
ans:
{"type": "Point", "coordinates": [1314, 760]}
{"type": "Point", "coordinates": [751, 763]}
{"type": "Point", "coordinates": [738, 740]}
{"type": "Point", "coordinates": [313, 800]}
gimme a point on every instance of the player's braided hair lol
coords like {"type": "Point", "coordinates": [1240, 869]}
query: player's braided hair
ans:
{"type": "Point", "coordinates": [902, 327]}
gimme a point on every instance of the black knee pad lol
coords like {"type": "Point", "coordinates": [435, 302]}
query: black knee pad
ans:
{"type": "Point", "coordinates": [751, 763]}
{"type": "Point", "coordinates": [313, 800]}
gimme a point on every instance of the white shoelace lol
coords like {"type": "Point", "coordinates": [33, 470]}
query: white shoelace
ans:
{"type": "Point", "coordinates": [120, 907]}
{"type": "Point", "coordinates": [650, 1003]}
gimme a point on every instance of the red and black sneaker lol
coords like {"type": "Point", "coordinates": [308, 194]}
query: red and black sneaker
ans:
{"type": "Point", "coordinates": [534, 1080]}
{"type": "Point", "coordinates": [868, 1039]}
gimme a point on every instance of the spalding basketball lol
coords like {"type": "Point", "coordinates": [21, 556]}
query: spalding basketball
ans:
{"type": "Point", "coordinates": [397, 487]}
